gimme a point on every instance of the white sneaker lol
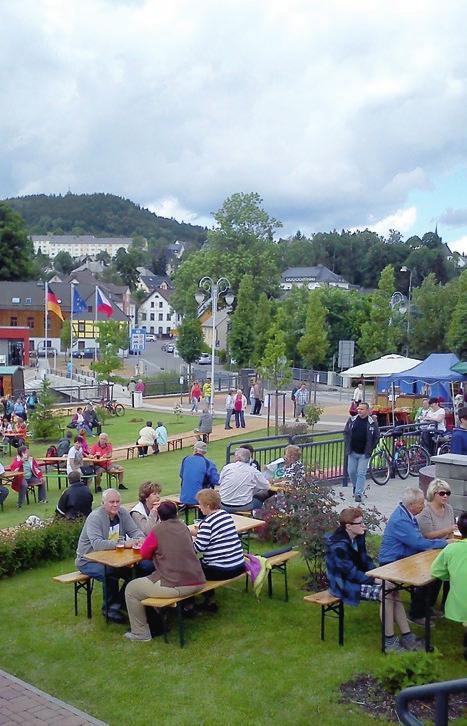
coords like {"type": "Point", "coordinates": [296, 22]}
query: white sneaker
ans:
{"type": "Point", "coordinates": [132, 636]}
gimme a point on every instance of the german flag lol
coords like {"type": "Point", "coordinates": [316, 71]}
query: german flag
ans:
{"type": "Point", "coordinates": [53, 306]}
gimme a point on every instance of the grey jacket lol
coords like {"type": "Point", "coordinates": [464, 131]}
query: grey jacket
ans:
{"type": "Point", "coordinates": [95, 533]}
{"type": "Point", "coordinates": [205, 423]}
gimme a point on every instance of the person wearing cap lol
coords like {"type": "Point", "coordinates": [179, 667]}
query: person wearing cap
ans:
{"type": "Point", "coordinates": [197, 472]}
{"type": "Point", "coordinates": [76, 500]}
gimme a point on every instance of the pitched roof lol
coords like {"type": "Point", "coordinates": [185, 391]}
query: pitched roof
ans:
{"type": "Point", "coordinates": [318, 273]}
{"type": "Point", "coordinates": [153, 282]}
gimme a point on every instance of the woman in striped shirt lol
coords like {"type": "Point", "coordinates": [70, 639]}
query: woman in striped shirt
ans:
{"type": "Point", "coordinates": [217, 539]}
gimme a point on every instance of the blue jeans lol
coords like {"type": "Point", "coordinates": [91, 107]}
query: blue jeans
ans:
{"type": "Point", "coordinates": [113, 594]}
{"type": "Point", "coordinates": [228, 416]}
{"type": "Point", "coordinates": [239, 419]}
{"type": "Point", "coordinates": [357, 464]}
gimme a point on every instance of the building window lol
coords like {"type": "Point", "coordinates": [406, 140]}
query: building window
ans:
{"type": "Point", "coordinates": [152, 303]}
{"type": "Point", "coordinates": [143, 316]}
{"type": "Point", "coordinates": [151, 330]}
{"type": "Point", "coordinates": [161, 316]}
{"type": "Point", "coordinates": [169, 317]}
{"type": "Point", "coordinates": [160, 330]}
{"type": "Point", "coordinates": [28, 301]}
{"type": "Point", "coordinates": [13, 322]}
{"type": "Point", "coordinates": [89, 308]}
{"type": "Point", "coordinates": [31, 323]}
{"type": "Point", "coordinates": [161, 304]}
{"type": "Point", "coordinates": [151, 317]}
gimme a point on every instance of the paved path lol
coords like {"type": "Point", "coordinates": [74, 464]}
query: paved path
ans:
{"type": "Point", "coordinates": [23, 704]}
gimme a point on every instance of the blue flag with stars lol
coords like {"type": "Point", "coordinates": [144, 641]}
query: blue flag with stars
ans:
{"type": "Point", "coordinates": [79, 305]}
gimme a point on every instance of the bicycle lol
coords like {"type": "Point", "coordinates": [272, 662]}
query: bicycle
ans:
{"type": "Point", "coordinates": [114, 408]}
{"type": "Point", "coordinates": [384, 462]}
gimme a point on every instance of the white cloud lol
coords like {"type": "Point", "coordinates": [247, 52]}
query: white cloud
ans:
{"type": "Point", "coordinates": [459, 245]}
{"type": "Point", "coordinates": [331, 112]}
{"type": "Point", "coordinates": [402, 220]}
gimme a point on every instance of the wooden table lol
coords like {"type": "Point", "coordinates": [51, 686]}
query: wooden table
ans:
{"type": "Point", "coordinates": [242, 524]}
{"type": "Point", "coordinates": [410, 572]}
{"type": "Point", "coordinates": [113, 558]}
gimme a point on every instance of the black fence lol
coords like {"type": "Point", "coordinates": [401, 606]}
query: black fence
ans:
{"type": "Point", "coordinates": [84, 393]}
{"type": "Point", "coordinates": [322, 453]}
{"type": "Point", "coordinates": [439, 691]}
{"type": "Point", "coordinates": [222, 382]}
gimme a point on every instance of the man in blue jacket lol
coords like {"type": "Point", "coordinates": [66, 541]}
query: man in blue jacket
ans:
{"type": "Point", "coordinates": [402, 538]}
{"type": "Point", "coordinates": [459, 434]}
{"type": "Point", "coordinates": [197, 472]}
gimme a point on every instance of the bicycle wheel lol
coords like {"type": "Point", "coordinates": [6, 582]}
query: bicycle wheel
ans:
{"type": "Point", "coordinates": [119, 409]}
{"type": "Point", "coordinates": [445, 448]}
{"type": "Point", "coordinates": [380, 467]}
{"type": "Point", "coordinates": [418, 458]}
{"type": "Point", "coordinates": [401, 461]}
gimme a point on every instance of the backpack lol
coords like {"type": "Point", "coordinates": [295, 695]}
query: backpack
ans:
{"type": "Point", "coordinates": [51, 452]}
{"type": "Point", "coordinates": [238, 402]}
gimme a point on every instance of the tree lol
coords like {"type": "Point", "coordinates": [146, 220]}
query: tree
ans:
{"type": "Point", "coordinates": [190, 340]}
{"type": "Point", "coordinates": [294, 318]}
{"type": "Point", "coordinates": [64, 262]}
{"type": "Point", "coordinates": [16, 250]}
{"type": "Point", "coordinates": [240, 218]}
{"type": "Point", "coordinates": [379, 336]}
{"type": "Point", "coordinates": [242, 337]}
{"type": "Point", "coordinates": [44, 424]}
{"type": "Point", "coordinates": [263, 322]}
{"type": "Point", "coordinates": [65, 334]}
{"type": "Point", "coordinates": [431, 312]}
{"type": "Point", "coordinates": [104, 257]}
{"type": "Point", "coordinates": [313, 346]}
{"type": "Point", "coordinates": [457, 334]}
{"type": "Point", "coordinates": [274, 366]}
{"type": "Point", "coordinates": [113, 336]}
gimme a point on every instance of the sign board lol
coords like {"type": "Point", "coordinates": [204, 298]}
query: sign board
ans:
{"type": "Point", "coordinates": [138, 340]}
{"type": "Point", "coordinates": [346, 354]}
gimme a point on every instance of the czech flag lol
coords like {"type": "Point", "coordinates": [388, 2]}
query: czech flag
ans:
{"type": "Point", "coordinates": [53, 306]}
{"type": "Point", "coordinates": [102, 303]}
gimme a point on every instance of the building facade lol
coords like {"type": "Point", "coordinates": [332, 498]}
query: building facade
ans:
{"type": "Point", "coordinates": [78, 245]}
{"type": "Point", "coordinates": [313, 277]}
{"type": "Point", "coordinates": [156, 315]}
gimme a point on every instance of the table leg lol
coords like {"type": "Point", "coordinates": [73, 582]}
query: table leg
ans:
{"type": "Point", "coordinates": [104, 588]}
{"type": "Point", "coordinates": [428, 646]}
{"type": "Point", "coordinates": [383, 617]}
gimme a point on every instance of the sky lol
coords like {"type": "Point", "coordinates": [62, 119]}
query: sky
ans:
{"type": "Point", "coordinates": [344, 114]}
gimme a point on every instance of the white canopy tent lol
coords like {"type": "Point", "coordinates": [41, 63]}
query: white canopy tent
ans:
{"type": "Point", "coordinates": [385, 366]}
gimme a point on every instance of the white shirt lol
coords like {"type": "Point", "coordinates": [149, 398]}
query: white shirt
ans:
{"type": "Point", "coordinates": [71, 456]}
{"type": "Point", "coordinates": [439, 416]}
{"type": "Point", "coordinates": [238, 482]}
{"type": "Point", "coordinates": [358, 395]}
{"type": "Point", "coordinates": [147, 436]}
{"type": "Point", "coordinates": [228, 402]}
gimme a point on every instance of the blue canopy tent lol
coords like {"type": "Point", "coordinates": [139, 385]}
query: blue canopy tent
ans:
{"type": "Point", "coordinates": [435, 372]}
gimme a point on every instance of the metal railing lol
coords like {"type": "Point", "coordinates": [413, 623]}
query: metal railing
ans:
{"type": "Point", "coordinates": [322, 454]}
{"type": "Point", "coordinates": [439, 691]}
{"type": "Point", "coordinates": [82, 393]}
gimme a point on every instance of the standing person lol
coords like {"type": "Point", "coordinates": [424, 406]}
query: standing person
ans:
{"type": "Point", "coordinates": [3, 490]}
{"type": "Point", "coordinates": [228, 410]}
{"type": "Point", "coordinates": [131, 390]}
{"type": "Point", "coordinates": [74, 460]}
{"type": "Point", "coordinates": [292, 396]}
{"type": "Point", "coordinates": [205, 425]}
{"type": "Point", "coordinates": [459, 434]}
{"type": "Point", "coordinates": [207, 391]}
{"type": "Point", "coordinates": [146, 438]}
{"type": "Point", "coordinates": [29, 474]}
{"type": "Point", "coordinates": [139, 388]}
{"type": "Point", "coordinates": [162, 436]}
{"type": "Point", "coordinates": [361, 434]}
{"type": "Point", "coordinates": [258, 398]}
{"type": "Point", "coordinates": [252, 398]}
{"type": "Point", "coordinates": [239, 406]}
{"type": "Point", "coordinates": [32, 401]}
{"type": "Point", "coordinates": [102, 451]}
{"type": "Point", "coordinates": [197, 472]}
{"type": "Point", "coordinates": [195, 395]}
{"type": "Point", "coordinates": [302, 398]}
{"type": "Point", "coordinates": [102, 530]}
{"type": "Point", "coordinates": [358, 393]}
{"type": "Point", "coordinates": [436, 417]}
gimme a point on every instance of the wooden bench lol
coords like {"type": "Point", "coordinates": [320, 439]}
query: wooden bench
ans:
{"type": "Point", "coordinates": [278, 563]}
{"type": "Point", "coordinates": [120, 452]}
{"type": "Point", "coordinates": [80, 582]}
{"type": "Point", "coordinates": [332, 607]}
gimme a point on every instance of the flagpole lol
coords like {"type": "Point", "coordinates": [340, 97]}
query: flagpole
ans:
{"type": "Point", "coordinates": [95, 326]}
{"type": "Point", "coordinates": [46, 290]}
{"type": "Point", "coordinates": [71, 328]}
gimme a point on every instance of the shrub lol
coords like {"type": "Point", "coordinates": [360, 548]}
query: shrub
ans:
{"type": "Point", "coordinates": [408, 669]}
{"type": "Point", "coordinates": [313, 414]}
{"type": "Point", "coordinates": [26, 547]}
{"type": "Point", "coordinates": [295, 428]}
{"type": "Point", "coordinates": [44, 425]}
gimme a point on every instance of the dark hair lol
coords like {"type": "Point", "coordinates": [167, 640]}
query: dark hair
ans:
{"type": "Point", "coordinates": [249, 448]}
{"type": "Point", "coordinates": [462, 413]}
{"type": "Point", "coordinates": [69, 434]}
{"type": "Point", "coordinates": [167, 510]}
{"type": "Point", "coordinates": [79, 409]}
{"type": "Point", "coordinates": [159, 423]}
{"type": "Point", "coordinates": [462, 524]}
{"type": "Point", "coordinates": [78, 439]}
{"type": "Point", "coordinates": [74, 476]}
{"type": "Point", "coordinates": [21, 450]}
{"type": "Point", "coordinates": [147, 488]}
{"type": "Point", "coordinates": [148, 423]}
{"type": "Point", "coordinates": [435, 399]}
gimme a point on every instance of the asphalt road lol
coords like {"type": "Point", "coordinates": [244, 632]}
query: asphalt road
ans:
{"type": "Point", "coordinates": [154, 360]}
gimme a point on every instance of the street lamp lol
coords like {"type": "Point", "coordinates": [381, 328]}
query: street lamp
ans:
{"type": "Point", "coordinates": [406, 269]}
{"type": "Point", "coordinates": [215, 288]}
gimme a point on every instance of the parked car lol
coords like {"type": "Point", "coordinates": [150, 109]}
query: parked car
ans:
{"type": "Point", "coordinates": [170, 348]}
{"type": "Point", "coordinates": [85, 353]}
{"type": "Point", "coordinates": [51, 352]}
{"type": "Point", "coordinates": [204, 359]}
{"type": "Point", "coordinates": [150, 337]}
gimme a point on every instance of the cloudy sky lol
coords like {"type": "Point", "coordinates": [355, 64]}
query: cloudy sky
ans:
{"type": "Point", "coordinates": [348, 113]}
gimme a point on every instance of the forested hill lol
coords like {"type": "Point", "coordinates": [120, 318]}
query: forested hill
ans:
{"type": "Point", "coordinates": [103, 215]}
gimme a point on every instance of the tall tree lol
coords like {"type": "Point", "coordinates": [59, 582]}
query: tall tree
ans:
{"type": "Point", "coordinates": [241, 218]}
{"type": "Point", "coordinates": [274, 366]}
{"type": "Point", "coordinates": [313, 346]}
{"type": "Point", "coordinates": [242, 335]}
{"type": "Point", "coordinates": [457, 334]}
{"type": "Point", "coordinates": [431, 313]}
{"type": "Point", "coordinates": [263, 322]}
{"type": "Point", "coordinates": [113, 336]}
{"type": "Point", "coordinates": [293, 320]}
{"type": "Point", "coordinates": [64, 262]}
{"type": "Point", "coordinates": [379, 336]}
{"type": "Point", "coordinates": [16, 250]}
{"type": "Point", "coordinates": [190, 340]}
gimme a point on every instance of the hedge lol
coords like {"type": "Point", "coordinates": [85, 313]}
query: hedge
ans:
{"type": "Point", "coordinates": [25, 547]}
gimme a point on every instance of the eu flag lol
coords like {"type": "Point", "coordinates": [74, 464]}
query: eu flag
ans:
{"type": "Point", "coordinates": [79, 305]}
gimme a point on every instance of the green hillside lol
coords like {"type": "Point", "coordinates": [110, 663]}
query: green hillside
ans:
{"type": "Point", "coordinates": [104, 215]}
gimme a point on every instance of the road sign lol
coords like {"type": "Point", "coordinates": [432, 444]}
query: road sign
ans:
{"type": "Point", "coordinates": [138, 340]}
{"type": "Point", "coordinates": [346, 353]}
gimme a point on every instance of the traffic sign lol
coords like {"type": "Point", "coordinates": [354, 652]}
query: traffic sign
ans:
{"type": "Point", "coordinates": [138, 340]}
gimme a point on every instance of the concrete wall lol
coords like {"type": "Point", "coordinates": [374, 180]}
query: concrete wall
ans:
{"type": "Point", "coordinates": [453, 468]}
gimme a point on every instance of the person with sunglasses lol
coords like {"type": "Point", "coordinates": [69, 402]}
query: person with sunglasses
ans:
{"type": "Point", "coordinates": [347, 562]}
{"type": "Point", "coordinates": [437, 517]}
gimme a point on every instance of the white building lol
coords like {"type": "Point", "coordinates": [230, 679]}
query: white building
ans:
{"type": "Point", "coordinates": [312, 277]}
{"type": "Point", "coordinates": [79, 245]}
{"type": "Point", "coordinates": [156, 315]}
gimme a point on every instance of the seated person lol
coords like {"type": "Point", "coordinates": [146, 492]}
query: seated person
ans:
{"type": "Point", "coordinates": [63, 446]}
{"type": "Point", "coordinates": [29, 474]}
{"type": "Point", "coordinates": [91, 419]}
{"type": "Point", "coordinates": [459, 434]}
{"type": "Point", "coordinates": [145, 513]}
{"type": "Point", "coordinates": [76, 500]}
{"type": "Point", "coordinates": [253, 462]}
{"type": "Point", "coordinates": [84, 443]}
{"type": "Point", "coordinates": [422, 411]}
{"type": "Point", "coordinates": [102, 530]}
{"type": "Point", "coordinates": [205, 425]}
{"type": "Point", "coordinates": [147, 438]}
{"type": "Point", "coordinates": [436, 420]}
{"type": "Point", "coordinates": [102, 452]}
{"type": "Point", "coordinates": [347, 561]}
{"type": "Point", "coordinates": [241, 486]}
{"type": "Point", "coordinates": [19, 431]}
{"type": "Point", "coordinates": [78, 422]}
{"type": "Point", "coordinates": [3, 490]}
{"type": "Point", "coordinates": [451, 564]}
{"type": "Point", "coordinates": [197, 472]}
{"type": "Point", "coordinates": [177, 569]}
{"type": "Point", "coordinates": [162, 436]}
{"type": "Point", "coordinates": [293, 469]}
